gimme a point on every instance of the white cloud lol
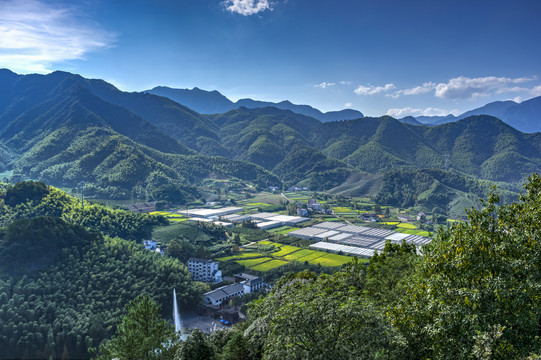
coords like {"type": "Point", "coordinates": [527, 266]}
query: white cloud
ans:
{"type": "Point", "coordinates": [418, 90]}
{"type": "Point", "coordinates": [372, 90]}
{"type": "Point", "coordinates": [536, 91]}
{"type": "Point", "coordinates": [408, 111]}
{"type": "Point", "coordinates": [247, 7]}
{"type": "Point", "coordinates": [471, 88]}
{"type": "Point", "coordinates": [324, 84]}
{"type": "Point", "coordinates": [34, 35]}
{"type": "Point", "coordinates": [348, 105]}
{"type": "Point", "coordinates": [345, 82]}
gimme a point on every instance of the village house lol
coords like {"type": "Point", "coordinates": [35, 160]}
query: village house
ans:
{"type": "Point", "coordinates": [404, 218]}
{"type": "Point", "coordinates": [244, 284]}
{"type": "Point", "coordinates": [204, 270]}
{"type": "Point", "coordinates": [313, 205]}
{"type": "Point", "coordinates": [369, 217]}
{"type": "Point", "coordinates": [251, 283]}
{"type": "Point", "coordinates": [224, 293]}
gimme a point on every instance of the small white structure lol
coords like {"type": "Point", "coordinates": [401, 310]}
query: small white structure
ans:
{"type": "Point", "coordinates": [251, 283]}
{"type": "Point", "coordinates": [150, 244]}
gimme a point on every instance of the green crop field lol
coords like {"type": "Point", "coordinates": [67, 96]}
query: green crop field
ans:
{"type": "Point", "coordinates": [406, 226]}
{"type": "Point", "coordinates": [177, 219]}
{"type": "Point", "coordinates": [249, 263]}
{"type": "Point", "coordinates": [285, 254]}
{"type": "Point", "coordinates": [285, 249]}
{"type": "Point", "coordinates": [240, 256]}
{"type": "Point", "coordinates": [341, 209]}
{"type": "Point", "coordinates": [390, 223]}
{"type": "Point", "coordinates": [311, 256]}
{"type": "Point", "coordinates": [285, 231]}
{"type": "Point", "coordinates": [331, 260]}
{"type": "Point", "coordinates": [415, 232]}
{"type": "Point", "coordinates": [269, 265]}
{"type": "Point", "coordinates": [299, 254]}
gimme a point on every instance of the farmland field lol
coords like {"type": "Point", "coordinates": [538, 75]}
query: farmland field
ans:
{"type": "Point", "coordinates": [269, 265]}
{"type": "Point", "coordinates": [331, 260]}
{"type": "Point", "coordinates": [240, 256]}
{"type": "Point", "coordinates": [407, 226]}
{"type": "Point", "coordinates": [312, 256]}
{"type": "Point", "coordinates": [341, 209]}
{"type": "Point", "coordinates": [283, 230]}
{"type": "Point", "coordinates": [285, 249]}
{"type": "Point", "coordinates": [415, 232]}
{"type": "Point", "coordinates": [249, 263]}
{"type": "Point", "coordinates": [299, 254]}
{"type": "Point", "coordinates": [285, 254]}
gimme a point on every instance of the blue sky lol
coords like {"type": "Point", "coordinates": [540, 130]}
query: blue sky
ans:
{"type": "Point", "coordinates": [378, 56]}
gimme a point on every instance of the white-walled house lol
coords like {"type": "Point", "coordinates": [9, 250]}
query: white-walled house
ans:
{"type": "Point", "coordinates": [224, 293]}
{"type": "Point", "coordinates": [203, 269]}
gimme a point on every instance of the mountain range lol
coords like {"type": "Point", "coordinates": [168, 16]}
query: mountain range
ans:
{"type": "Point", "coordinates": [64, 128]}
{"type": "Point", "coordinates": [524, 116]}
{"type": "Point", "coordinates": [212, 102]}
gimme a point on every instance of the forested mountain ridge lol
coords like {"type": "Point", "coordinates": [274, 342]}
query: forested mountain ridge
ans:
{"type": "Point", "coordinates": [64, 128]}
{"type": "Point", "coordinates": [57, 128]}
{"type": "Point", "coordinates": [481, 146]}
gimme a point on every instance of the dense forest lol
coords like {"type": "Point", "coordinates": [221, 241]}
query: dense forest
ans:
{"type": "Point", "coordinates": [63, 283]}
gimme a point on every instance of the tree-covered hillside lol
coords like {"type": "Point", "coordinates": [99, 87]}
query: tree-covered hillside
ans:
{"type": "Point", "coordinates": [431, 188]}
{"type": "Point", "coordinates": [62, 285]}
{"type": "Point", "coordinates": [64, 128]}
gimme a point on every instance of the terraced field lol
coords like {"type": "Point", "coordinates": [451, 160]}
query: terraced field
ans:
{"type": "Point", "coordinates": [284, 250]}
{"type": "Point", "coordinates": [284, 255]}
{"type": "Point", "coordinates": [240, 256]}
{"type": "Point", "coordinates": [250, 263]}
{"type": "Point", "coordinates": [269, 265]}
{"type": "Point", "coordinates": [407, 226]}
{"type": "Point", "coordinates": [298, 255]}
{"type": "Point", "coordinates": [170, 216]}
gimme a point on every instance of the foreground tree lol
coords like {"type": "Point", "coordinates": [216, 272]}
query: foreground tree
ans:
{"type": "Point", "coordinates": [322, 317]}
{"type": "Point", "coordinates": [195, 347]}
{"type": "Point", "coordinates": [141, 334]}
{"type": "Point", "coordinates": [390, 271]}
{"type": "Point", "coordinates": [477, 293]}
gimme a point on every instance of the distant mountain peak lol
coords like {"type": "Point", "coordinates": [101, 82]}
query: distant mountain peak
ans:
{"type": "Point", "coordinates": [212, 102]}
{"type": "Point", "coordinates": [524, 116]}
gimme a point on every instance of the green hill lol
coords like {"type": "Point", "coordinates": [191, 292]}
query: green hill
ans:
{"type": "Point", "coordinates": [64, 128]}
{"type": "Point", "coordinates": [63, 283]}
